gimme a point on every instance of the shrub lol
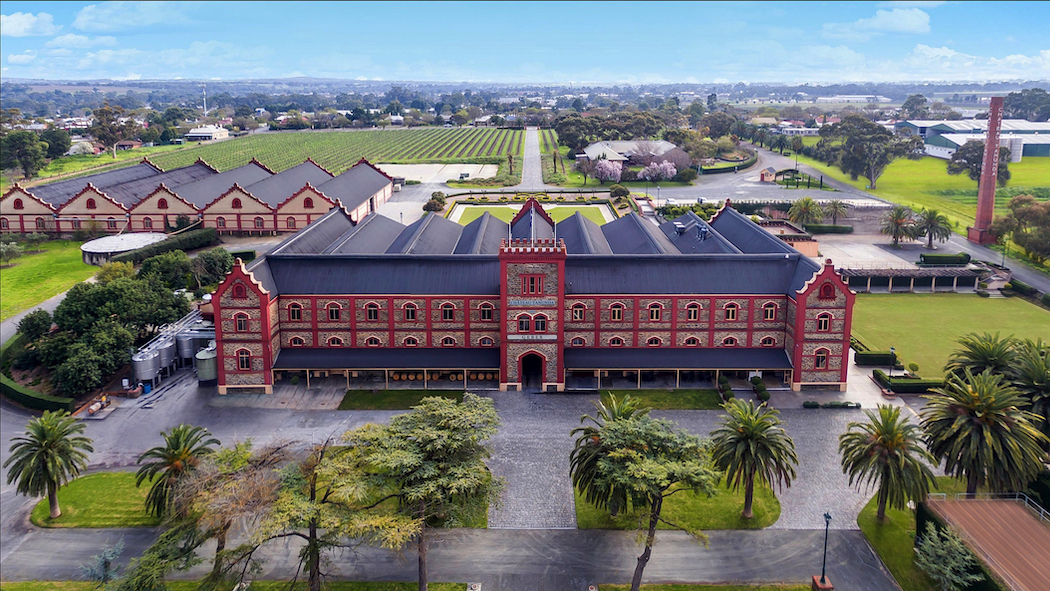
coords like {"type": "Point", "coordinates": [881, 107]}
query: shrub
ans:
{"type": "Point", "coordinates": [31, 399]}
{"type": "Point", "coordinates": [728, 394]}
{"type": "Point", "coordinates": [811, 404]}
{"type": "Point", "coordinates": [412, 182]}
{"type": "Point", "coordinates": [433, 205]}
{"type": "Point", "coordinates": [840, 404]}
{"type": "Point", "coordinates": [1046, 300]}
{"type": "Point", "coordinates": [755, 380]}
{"type": "Point", "coordinates": [873, 358]}
{"type": "Point", "coordinates": [900, 385]}
{"type": "Point", "coordinates": [186, 241]}
{"type": "Point", "coordinates": [763, 395]}
{"type": "Point", "coordinates": [982, 292]}
{"type": "Point", "coordinates": [295, 380]}
{"type": "Point", "coordinates": [616, 191]}
{"type": "Point", "coordinates": [246, 256]}
{"type": "Point", "coordinates": [944, 259]}
{"type": "Point", "coordinates": [687, 175]}
{"type": "Point", "coordinates": [828, 229]}
{"type": "Point", "coordinates": [723, 380]}
{"type": "Point", "coordinates": [1023, 288]}
{"type": "Point", "coordinates": [35, 324]}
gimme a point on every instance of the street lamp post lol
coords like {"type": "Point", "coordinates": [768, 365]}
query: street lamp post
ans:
{"type": "Point", "coordinates": [827, 524]}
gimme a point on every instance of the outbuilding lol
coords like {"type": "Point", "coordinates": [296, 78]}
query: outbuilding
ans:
{"type": "Point", "coordinates": [100, 250]}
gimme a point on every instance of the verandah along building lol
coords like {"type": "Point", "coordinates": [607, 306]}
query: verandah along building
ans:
{"type": "Point", "coordinates": [532, 305]}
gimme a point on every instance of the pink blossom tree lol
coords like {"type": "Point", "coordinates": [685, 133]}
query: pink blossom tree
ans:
{"type": "Point", "coordinates": [658, 171]}
{"type": "Point", "coordinates": [607, 170]}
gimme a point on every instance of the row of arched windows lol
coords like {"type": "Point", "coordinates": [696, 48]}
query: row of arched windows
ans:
{"type": "Point", "coordinates": [406, 342]}
{"type": "Point", "coordinates": [657, 342]}
{"type": "Point", "coordinates": [656, 312]}
{"type": "Point", "coordinates": [411, 311]}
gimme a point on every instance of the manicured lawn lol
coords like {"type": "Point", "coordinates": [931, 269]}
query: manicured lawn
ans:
{"type": "Point", "coordinates": [673, 399]}
{"type": "Point", "coordinates": [258, 586]}
{"type": "Point", "coordinates": [391, 399]}
{"type": "Point", "coordinates": [105, 499]}
{"type": "Point", "coordinates": [37, 277]}
{"type": "Point", "coordinates": [894, 540]}
{"type": "Point", "coordinates": [507, 212]}
{"type": "Point", "coordinates": [699, 587]}
{"type": "Point", "coordinates": [722, 511]}
{"type": "Point", "coordinates": [924, 328]}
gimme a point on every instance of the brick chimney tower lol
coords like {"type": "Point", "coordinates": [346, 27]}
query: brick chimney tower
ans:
{"type": "Point", "coordinates": [979, 233]}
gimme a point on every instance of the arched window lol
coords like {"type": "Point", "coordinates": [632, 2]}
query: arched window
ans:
{"type": "Point", "coordinates": [410, 342]}
{"type": "Point", "coordinates": [769, 311]}
{"type": "Point", "coordinates": [578, 312]}
{"type": "Point", "coordinates": [692, 312]}
{"type": "Point", "coordinates": [731, 310]}
{"type": "Point", "coordinates": [3, 224]}
{"type": "Point", "coordinates": [111, 223]}
{"type": "Point", "coordinates": [655, 311]}
{"type": "Point", "coordinates": [524, 323]}
{"type": "Point", "coordinates": [577, 342]}
{"type": "Point", "coordinates": [236, 203]}
{"type": "Point", "coordinates": [242, 322]}
{"type": "Point", "coordinates": [486, 342]}
{"type": "Point", "coordinates": [308, 203]}
{"type": "Point", "coordinates": [824, 322]}
{"type": "Point", "coordinates": [297, 342]}
{"type": "Point", "coordinates": [616, 342]}
{"type": "Point", "coordinates": [410, 311]}
{"type": "Point", "coordinates": [290, 223]}
{"type": "Point", "coordinates": [76, 223]}
{"type": "Point", "coordinates": [333, 311]}
{"type": "Point", "coordinates": [335, 342]}
{"type": "Point", "coordinates": [653, 342]}
{"type": "Point", "coordinates": [827, 291]}
{"type": "Point", "coordinates": [371, 311]}
{"type": "Point", "coordinates": [162, 203]}
{"type": "Point", "coordinates": [147, 223]}
{"type": "Point", "coordinates": [18, 204]}
{"type": "Point", "coordinates": [821, 360]}
{"type": "Point", "coordinates": [90, 204]}
{"type": "Point", "coordinates": [295, 312]}
{"type": "Point", "coordinates": [239, 291]}
{"type": "Point", "coordinates": [692, 342]}
{"type": "Point", "coordinates": [448, 342]}
{"type": "Point", "coordinates": [372, 342]}
{"type": "Point", "coordinates": [259, 223]}
{"type": "Point", "coordinates": [448, 312]}
{"type": "Point", "coordinates": [769, 342]}
{"type": "Point", "coordinates": [539, 324]}
{"type": "Point", "coordinates": [616, 312]}
{"type": "Point", "coordinates": [244, 359]}
{"type": "Point", "coordinates": [220, 222]}
{"type": "Point", "coordinates": [729, 342]}
{"type": "Point", "coordinates": [40, 224]}
{"type": "Point", "coordinates": [486, 312]}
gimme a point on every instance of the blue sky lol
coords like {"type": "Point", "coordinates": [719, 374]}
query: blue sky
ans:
{"type": "Point", "coordinates": [607, 42]}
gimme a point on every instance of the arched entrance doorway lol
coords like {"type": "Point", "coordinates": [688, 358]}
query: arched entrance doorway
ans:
{"type": "Point", "coordinates": [531, 372]}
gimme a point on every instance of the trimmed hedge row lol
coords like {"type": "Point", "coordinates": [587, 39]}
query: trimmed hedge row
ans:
{"type": "Point", "coordinates": [186, 241]}
{"type": "Point", "coordinates": [246, 256]}
{"type": "Point", "coordinates": [1046, 300]}
{"type": "Point", "coordinates": [905, 385]}
{"type": "Point", "coordinates": [873, 358]}
{"type": "Point", "coordinates": [944, 259]}
{"type": "Point", "coordinates": [1023, 288]}
{"type": "Point", "coordinates": [828, 229]}
{"type": "Point", "coordinates": [31, 399]}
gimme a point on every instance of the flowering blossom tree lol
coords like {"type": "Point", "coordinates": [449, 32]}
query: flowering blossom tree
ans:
{"type": "Point", "coordinates": [607, 170]}
{"type": "Point", "coordinates": [658, 171]}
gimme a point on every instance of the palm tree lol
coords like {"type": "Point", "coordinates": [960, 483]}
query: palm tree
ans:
{"type": "Point", "coordinates": [933, 224]}
{"type": "Point", "coordinates": [834, 209]}
{"type": "Point", "coordinates": [749, 444]}
{"type": "Point", "coordinates": [588, 451]}
{"type": "Point", "coordinates": [48, 455]}
{"type": "Point", "coordinates": [887, 451]}
{"type": "Point", "coordinates": [779, 142]}
{"type": "Point", "coordinates": [797, 144]}
{"type": "Point", "coordinates": [1030, 374]}
{"type": "Point", "coordinates": [975, 424]}
{"type": "Point", "coordinates": [806, 211]}
{"type": "Point", "coordinates": [183, 448]}
{"type": "Point", "coordinates": [898, 223]}
{"type": "Point", "coordinates": [983, 352]}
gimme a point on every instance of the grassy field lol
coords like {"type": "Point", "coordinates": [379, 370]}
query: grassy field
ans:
{"type": "Point", "coordinates": [105, 499]}
{"type": "Point", "coordinates": [894, 540]}
{"type": "Point", "coordinates": [37, 277]}
{"type": "Point", "coordinates": [391, 399]}
{"type": "Point", "coordinates": [924, 328]}
{"type": "Point", "coordinates": [80, 165]}
{"type": "Point", "coordinates": [721, 511]}
{"type": "Point", "coordinates": [272, 586]}
{"type": "Point", "coordinates": [507, 212]}
{"type": "Point", "coordinates": [673, 399]}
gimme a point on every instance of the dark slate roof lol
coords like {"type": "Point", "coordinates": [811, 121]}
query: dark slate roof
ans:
{"type": "Point", "coordinates": [582, 236]}
{"type": "Point", "coordinates": [432, 234]}
{"type": "Point", "coordinates": [132, 192]}
{"type": "Point", "coordinates": [697, 236]}
{"type": "Point", "coordinates": [401, 358]}
{"type": "Point", "coordinates": [745, 234]}
{"type": "Point", "coordinates": [384, 274]}
{"type": "Point", "coordinates": [355, 186]}
{"type": "Point", "coordinates": [260, 269]}
{"type": "Point", "coordinates": [60, 192]}
{"type": "Point", "coordinates": [482, 236]}
{"type": "Point", "coordinates": [632, 234]}
{"type": "Point", "coordinates": [805, 271]}
{"type": "Point", "coordinates": [206, 190]}
{"type": "Point", "coordinates": [532, 226]}
{"type": "Point", "coordinates": [712, 273]}
{"type": "Point", "coordinates": [372, 235]}
{"type": "Point", "coordinates": [279, 187]}
{"type": "Point", "coordinates": [677, 358]}
{"type": "Point", "coordinates": [317, 236]}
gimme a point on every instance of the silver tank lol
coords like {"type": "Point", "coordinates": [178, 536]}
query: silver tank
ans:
{"type": "Point", "coordinates": [185, 346]}
{"type": "Point", "coordinates": [146, 364]}
{"type": "Point", "coordinates": [207, 366]}
{"type": "Point", "coordinates": [166, 349]}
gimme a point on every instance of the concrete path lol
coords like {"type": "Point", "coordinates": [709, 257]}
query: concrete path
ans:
{"type": "Point", "coordinates": [532, 167]}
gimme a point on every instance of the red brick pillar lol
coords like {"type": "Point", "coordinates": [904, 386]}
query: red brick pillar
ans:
{"type": "Point", "coordinates": [979, 233]}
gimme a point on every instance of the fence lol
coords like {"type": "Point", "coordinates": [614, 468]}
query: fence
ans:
{"type": "Point", "coordinates": [1022, 498]}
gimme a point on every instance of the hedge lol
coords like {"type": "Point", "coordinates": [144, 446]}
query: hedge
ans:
{"type": "Point", "coordinates": [905, 385]}
{"type": "Point", "coordinates": [1046, 300]}
{"type": "Point", "coordinates": [31, 399]}
{"type": "Point", "coordinates": [246, 256]}
{"type": "Point", "coordinates": [1023, 288]}
{"type": "Point", "coordinates": [828, 229]}
{"type": "Point", "coordinates": [874, 358]}
{"type": "Point", "coordinates": [944, 259]}
{"type": "Point", "coordinates": [186, 241]}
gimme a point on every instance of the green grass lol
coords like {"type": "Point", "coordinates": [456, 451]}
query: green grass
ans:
{"type": "Point", "coordinates": [105, 499]}
{"type": "Point", "coordinates": [924, 328]}
{"type": "Point", "coordinates": [894, 540]}
{"type": "Point", "coordinates": [37, 277]}
{"type": "Point", "coordinates": [673, 399]}
{"type": "Point", "coordinates": [391, 399]}
{"type": "Point", "coordinates": [256, 586]}
{"type": "Point", "coordinates": [507, 212]}
{"type": "Point", "coordinates": [703, 587]}
{"type": "Point", "coordinates": [722, 511]}
{"type": "Point", "coordinates": [90, 164]}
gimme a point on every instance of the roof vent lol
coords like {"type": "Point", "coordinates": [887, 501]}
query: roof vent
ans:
{"type": "Point", "coordinates": [679, 228]}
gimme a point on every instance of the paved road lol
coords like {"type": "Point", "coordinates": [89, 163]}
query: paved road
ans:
{"type": "Point", "coordinates": [532, 168]}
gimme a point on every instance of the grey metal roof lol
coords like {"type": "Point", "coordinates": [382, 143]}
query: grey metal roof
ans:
{"type": "Point", "coordinates": [632, 234]}
{"type": "Point", "coordinates": [582, 236]}
{"type": "Point", "coordinates": [677, 358]}
{"type": "Point", "coordinates": [206, 190]}
{"type": "Point", "coordinates": [482, 236]}
{"type": "Point", "coordinates": [372, 235]}
{"type": "Point", "coordinates": [400, 358]}
{"type": "Point", "coordinates": [260, 269]}
{"type": "Point", "coordinates": [532, 226]}
{"type": "Point", "coordinates": [385, 274]}
{"type": "Point", "coordinates": [432, 234]}
{"type": "Point", "coordinates": [317, 236]}
{"type": "Point", "coordinates": [279, 187]}
{"type": "Point", "coordinates": [58, 193]}
{"type": "Point", "coordinates": [807, 267]}
{"type": "Point", "coordinates": [696, 237]}
{"type": "Point", "coordinates": [355, 185]}
{"type": "Point", "coordinates": [132, 192]}
{"type": "Point", "coordinates": [745, 234]}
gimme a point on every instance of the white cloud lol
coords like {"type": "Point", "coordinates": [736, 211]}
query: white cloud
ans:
{"type": "Point", "coordinates": [21, 58]}
{"type": "Point", "coordinates": [26, 24]}
{"type": "Point", "coordinates": [117, 16]}
{"type": "Point", "coordinates": [129, 76]}
{"type": "Point", "coordinates": [899, 20]}
{"type": "Point", "coordinates": [914, 4]}
{"type": "Point", "coordinates": [74, 41]}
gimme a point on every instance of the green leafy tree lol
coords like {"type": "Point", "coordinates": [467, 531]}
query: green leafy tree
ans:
{"type": "Point", "coordinates": [49, 454]}
{"type": "Point", "coordinates": [797, 144]}
{"type": "Point", "coordinates": [170, 268]}
{"type": "Point", "coordinates": [23, 149]}
{"type": "Point", "coordinates": [969, 159]}
{"type": "Point", "coordinates": [139, 305]}
{"type": "Point", "coordinates": [617, 191]}
{"type": "Point", "coordinates": [10, 251]}
{"type": "Point", "coordinates": [35, 324]}
{"type": "Point", "coordinates": [101, 569]}
{"type": "Point", "coordinates": [111, 271]}
{"type": "Point", "coordinates": [751, 444]}
{"type": "Point", "coordinates": [944, 558]}
{"type": "Point", "coordinates": [57, 140]}
{"type": "Point", "coordinates": [806, 211]}
{"type": "Point", "coordinates": [835, 209]}
{"type": "Point", "coordinates": [866, 148]}
{"type": "Point", "coordinates": [933, 224]}
{"type": "Point", "coordinates": [914, 107]}
{"type": "Point", "coordinates": [899, 224]}
{"type": "Point", "coordinates": [212, 266]}
{"type": "Point", "coordinates": [1028, 225]}
{"type": "Point", "coordinates": [1032, 104]}
{"type": "Point", "coordinates": [887, 452]}
{"type": "Point", "coordinates": [107, 128]}
{"type": "Point", "coordinates": [696, 111]}
{"type": "Point", "coordinates": [111, 343]}
{"type": "Point", "coordinates": [718, 123]}
{"type": "Point", "coordinates": [975, 424]}
{"type": "Point", "coordinates": [175, 550]}
{"type": "Point", "coordinates": [978, 353]}
{"type": "Point", "coordinates": [588, 452]}
{"type": "Point", "coordinates": [81, 371]}
{"type": "Point", "coordinates": [184, 448]}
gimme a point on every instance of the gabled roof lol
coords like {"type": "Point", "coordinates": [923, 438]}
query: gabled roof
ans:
{"type": "Point", "coordinates": [132, 192]}
{"type": "Point", "coordinates": [432, 234]}
{"type": "Point", "coordinates": [582, 236]}
{"type": "Point", "coordinates": [356, 185]}
{"type": "Point", "coordinates": [745, 234]}
{"type": "Point", "coordinates": [203, 192]}
{"type": "Point", "coordinates": [385, 274]}
{"type": "Point", "coordinates": [632, 234]}
{"type": "Point", "coordinates": [276, 189]}
{"type": "Point", "coordinates": [482, 236]}
{"type": "Point", "coordinates": [690, 234]}
{"type": "Point", "coordinates": [58, 193]}
{"type": "Point", "coordinates": [372, 235]}
{"type": "Point", "coordinates": [317, 236]}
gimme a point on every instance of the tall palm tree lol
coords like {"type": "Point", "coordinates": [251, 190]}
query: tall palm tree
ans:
{"type": "Point", "coordinates": [933, 224]}
{"type": "Point", "coordinates": [983, 352]}
{"type": "Point", "coordinates": [1030, 374]}
{"type": "Point", "coordinates": [588, 451]}
{"type": "Point", "coordinates": [887, 451]}
{"type": "Point", "coordinates": [975, 424]}
{"type": "Point", "coordinates": [780, 142]}
{"type": "Point", "coordinates": [751, 444]}
{"type": "Point", "coordinates": [797, 144]}
{"type": "Point", "coordinates": [48, 455]}
{"type": "Point", "coordinates": [835, 209]}
{"type": "Point", "coordinates": [806, 211]}
{"type": "Point", "coordinates": [183, 448]}
{"type": "Point", "coordinates": [898, 223]}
